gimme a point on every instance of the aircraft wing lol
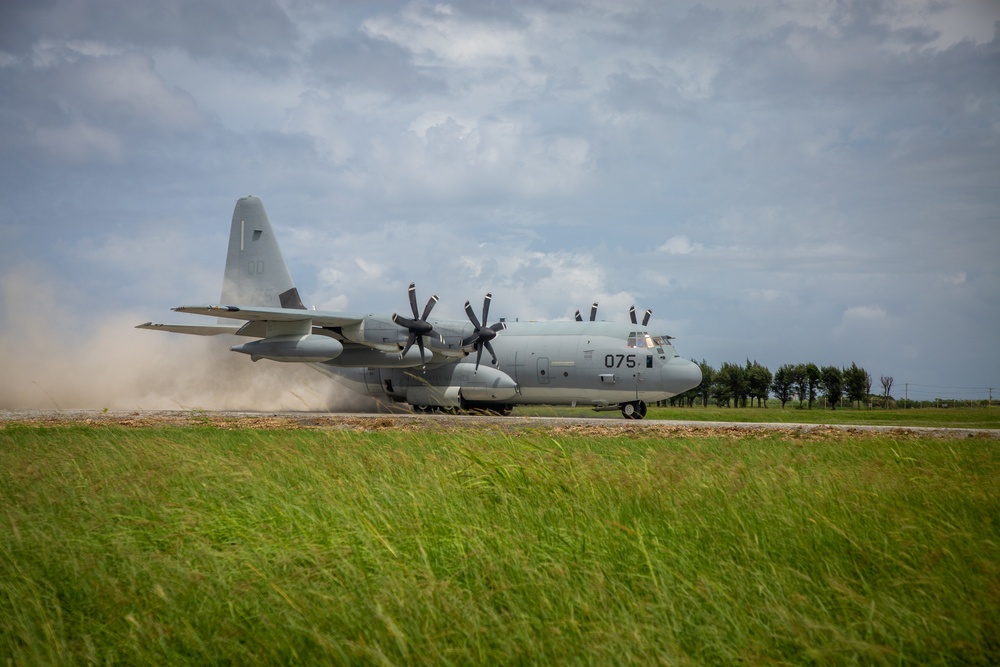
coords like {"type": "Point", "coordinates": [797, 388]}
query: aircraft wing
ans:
{"type": "Point", "coordinates": [320, 318]}
{"type": "Point", "coordinates": [193, 329]}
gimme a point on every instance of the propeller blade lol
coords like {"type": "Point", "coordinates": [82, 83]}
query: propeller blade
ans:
{"type": "Point", "coordinates": [579, 317]}
{"type": "Point", "coordinates": [402, 321]}
{"type": "Point", "coordinates": [486, 307]}
{"type": "Point", "coordinates": [409, 344]}
{"type": "Point", "coordinates": [593, 312]}
{"type": "Point", "coordinates": [418, 327]}
{"type": "Point", "coordinates": [631, 314]}
{"type": "Point", "coordinates": [413, 300]}
{"type": "Point", "coordinates": [483, 334]}
{"type": "Point", "coordinates": [645, 318]}
{"type": "Point", "coordinates": [489, 348]}
{"type": "Point", "coordinates": [472, 315]}
{"type": "Point", "coordinates": [430, 305]}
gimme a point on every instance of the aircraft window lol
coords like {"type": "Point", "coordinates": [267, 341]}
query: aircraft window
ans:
{"type": "Point", "coordinates": [640, 339]}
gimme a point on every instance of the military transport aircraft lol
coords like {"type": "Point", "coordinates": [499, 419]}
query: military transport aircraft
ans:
{"type": "Point", "coordinates": [429, 363]}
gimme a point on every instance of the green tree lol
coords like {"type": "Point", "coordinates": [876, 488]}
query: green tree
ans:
{"type": "Point", "coordinates": [758, 382]}
{"type": "Point", "coordinates": [707, 379]}
{"type": "Point", "coordinates": [730, 384]}
{"type": "Point", "coordinates": [856, 384]}
{"type": "Point", "coordinates": [783, 384]}
{"type": "Point", "coordinates": [799, 381]}
{"type": "Point", "coordinates": [868, 388]}
{"type": "Point", "coordinates": [813, 381]}
{"type": "Point", "coordinates": [833, 384]}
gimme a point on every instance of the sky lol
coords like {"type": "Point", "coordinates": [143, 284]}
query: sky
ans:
{"type": "Point", "coordinates": [816, 181]}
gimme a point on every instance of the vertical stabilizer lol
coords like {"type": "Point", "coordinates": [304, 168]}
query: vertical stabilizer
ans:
{"type": "Point", "coordinates": [256, 274]}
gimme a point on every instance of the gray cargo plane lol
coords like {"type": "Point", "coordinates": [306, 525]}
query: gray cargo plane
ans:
{"type": "Point", "coordinates": [434, 363]}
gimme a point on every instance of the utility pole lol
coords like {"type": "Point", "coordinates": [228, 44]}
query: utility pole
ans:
{"type": "Point", "coordinates": [907, 385]}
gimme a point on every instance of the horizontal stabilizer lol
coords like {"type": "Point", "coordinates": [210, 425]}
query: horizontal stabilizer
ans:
{"type": "Point", "coordinates": [193, 329]}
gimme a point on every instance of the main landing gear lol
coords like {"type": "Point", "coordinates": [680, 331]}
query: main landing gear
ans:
{"type": "Point", "coordinates": [470, 409]}
{"type": "Point", "coordinates": [634, 410]}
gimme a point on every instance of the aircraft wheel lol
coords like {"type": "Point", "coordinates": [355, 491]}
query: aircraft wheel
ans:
{"type": "Point", "coordinates": [421, 409]}
{"type": "Point", "coordinates": [634, 410]}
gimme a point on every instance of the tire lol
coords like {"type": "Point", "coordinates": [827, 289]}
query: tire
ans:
{"type": "Point", "coordinates": [634, 410]}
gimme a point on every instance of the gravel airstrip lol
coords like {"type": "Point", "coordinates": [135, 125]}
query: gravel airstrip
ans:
{"type": "Point", "coordinates": [409, 421]}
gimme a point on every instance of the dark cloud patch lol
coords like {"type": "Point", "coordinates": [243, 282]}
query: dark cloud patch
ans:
{"type": "Point", "coordinates": [360, 62]}
{"type": "Point", "coordinates": [645, 95]}
{"type": "Point", "coordinates": [256, 34]}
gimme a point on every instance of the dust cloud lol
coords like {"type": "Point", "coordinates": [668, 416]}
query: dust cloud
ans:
{"type": "Point", "coordinates": [53, 356]}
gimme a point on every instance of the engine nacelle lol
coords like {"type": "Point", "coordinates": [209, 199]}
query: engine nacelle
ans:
{"type": "Point", "coordinates": [301, 349]}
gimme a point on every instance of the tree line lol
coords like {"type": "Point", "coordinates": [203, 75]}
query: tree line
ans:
{"type": "Point", "coordinates": [740, 385]}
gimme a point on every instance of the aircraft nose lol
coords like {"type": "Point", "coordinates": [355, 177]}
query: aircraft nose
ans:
{"type": "Point", "coordinates": [679, 375]}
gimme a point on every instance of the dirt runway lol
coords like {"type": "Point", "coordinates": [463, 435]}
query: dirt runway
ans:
{"type": "Point", "coordinates": [408, 421]}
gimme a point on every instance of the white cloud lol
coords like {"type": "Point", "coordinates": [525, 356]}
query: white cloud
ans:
{"type": "Point", "coordinates": [954, 279]}
{"type": "Point", "coordinates": [80, 142]}
{"type": "Point", "coordinates": [507, 155]}
{"type": "Point", "coordinates": [863, 322]}
{"type": "Point", "coordinates": [440, 32]}
{"type": "Point", "coordinates": [947, 22]}
{"type": "Point", "coordinates": [865, 314]}
{"type": "Point", "coordinates": [129, 87]}
{"type": "Point", "coordinates": [679, 245]}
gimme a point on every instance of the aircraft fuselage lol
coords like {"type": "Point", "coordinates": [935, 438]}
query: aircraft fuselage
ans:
{"type": "Point", "coordinates": [595, 364]}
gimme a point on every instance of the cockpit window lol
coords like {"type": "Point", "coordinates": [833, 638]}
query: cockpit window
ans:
{"type": "Point", "coordinates": [641, 340]}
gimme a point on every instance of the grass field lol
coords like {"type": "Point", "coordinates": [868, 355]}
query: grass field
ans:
{"type": "Point", "coordinates": [961, 417]}
{"type": "Point", "coordinates": [445, 546]}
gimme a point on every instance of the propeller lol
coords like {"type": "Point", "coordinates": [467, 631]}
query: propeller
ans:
{"type": "Point", "coordinates": [418, 326]}
{"type": "Point", "coordinates": [593, 313]}
{"type": "Point", "coordinates": [645, 318]}
{"type": "Point", "coordinates": [483, 334]}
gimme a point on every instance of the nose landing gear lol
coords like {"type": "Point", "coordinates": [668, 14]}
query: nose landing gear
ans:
{"type": "Point", "coordinates": [634, 410]}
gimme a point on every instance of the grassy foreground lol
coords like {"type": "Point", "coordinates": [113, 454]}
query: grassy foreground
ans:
{"type": "Point", "coordinates": [204, 545]}
{"type": "Point", "coordinates": [960, 417]}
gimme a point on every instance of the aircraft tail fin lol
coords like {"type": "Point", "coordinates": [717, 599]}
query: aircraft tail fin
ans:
{"type": "Point", "coordinates": [256, 274]}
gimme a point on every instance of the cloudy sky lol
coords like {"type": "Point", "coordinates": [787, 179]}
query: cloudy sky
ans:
{"type": "Point", "coordinates": [810, 181]}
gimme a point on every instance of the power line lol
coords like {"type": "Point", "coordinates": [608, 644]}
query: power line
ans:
{"type": "Point", "coordinates": [933, 386]}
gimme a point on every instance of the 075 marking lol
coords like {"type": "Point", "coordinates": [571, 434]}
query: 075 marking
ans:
{"type": "Point", "coordinates": [616, 360]}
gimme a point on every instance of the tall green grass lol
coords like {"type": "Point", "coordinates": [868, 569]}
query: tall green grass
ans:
{"type": "Point", "coordinates": [203, 545]}
{"type": "Point", "coordinates": [960, 417]}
